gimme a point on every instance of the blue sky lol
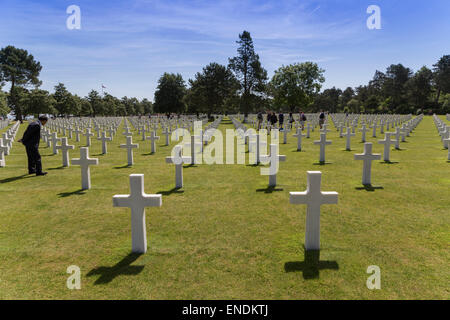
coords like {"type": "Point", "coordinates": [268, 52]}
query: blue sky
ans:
{"type": "Point", "coordinates": [128, 45]}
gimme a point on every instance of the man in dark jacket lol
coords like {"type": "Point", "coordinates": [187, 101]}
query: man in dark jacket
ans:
{"type": "Point", "coordinates": [30, 140]}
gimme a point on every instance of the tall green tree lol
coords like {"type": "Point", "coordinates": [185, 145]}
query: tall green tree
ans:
{"type": "Point", "coordinates": [147, 106]}
{"type": "Point", "coordinates": [110, 104]}
{"type": "Point", "coordinates": [327, 100]}
{"type": "Point", "coordinates": [20, 69]}
{"type": "Point", "coordinates": [394, 87]}
{"type": "Point", "coordinates": [295, 85]}
{"type": "Point", "coordinates": [86, 108]}
{"type": "Point", "coordinates": [66, 103]}
{"type": "Point", "coordinates": [248, 70]}
{"type": "Point", "coordinates": [39, 101]}
{"type": "Point", "coordinates": [441, 72]}
{"type": "Point", "coordinates": [96, 102]}
{"type": "Point", "coordinates": [4, 109]}
{"type": "Point", "coordinates": [346, 96]}
{"type": "Point", "coordinates": [169, 95]}
{"type": "Point", "coordinates": [419, 88]}
{"type": "Point", "coordinates": [210, 89]}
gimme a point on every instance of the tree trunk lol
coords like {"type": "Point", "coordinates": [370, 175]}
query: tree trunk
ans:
{"type": "Point", "coordinates": [16, 108]}
{"type": "Point", "coordinates": [438, 95]}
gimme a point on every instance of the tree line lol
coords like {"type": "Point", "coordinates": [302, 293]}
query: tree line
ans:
{"type": "Point", "coordinates": [241, 86]}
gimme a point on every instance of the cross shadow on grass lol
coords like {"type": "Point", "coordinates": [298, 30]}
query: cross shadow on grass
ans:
{"type": "Point", "coordinates": [311, 266]}
{"type": "Point", "coordinates": [321, 163]}
{"type": "Point", "coordinates": [169, 192]}
{"type": "Point", "coordinates": [123, 267]}
{"type": "Point", "coordinates": [369, 187]}
{"type": "Point", "coordinates": [98, 155]}
{"type": "Point", "coordinates": [123, 167]}
{"type": "Point", "coordinates": [389, 162]}
{"type": "Point", "coordinates": [79, 192]}
{"type": "Point", "coordinates": [149, 154]}
{"type": "Point", "coordinates": [270, 189]}
{"type": "Point", "coordinates": [253, 165]}
{"type": "Point", "coordinates": [12, 179]}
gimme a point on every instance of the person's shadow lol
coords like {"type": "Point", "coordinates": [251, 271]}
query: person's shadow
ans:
{"type": "Point", "coordinates": [12, 179]}
{"type": "Point", "coordinates": [311, 266]}
{"type": "Point", "coordinates": [123, 267]}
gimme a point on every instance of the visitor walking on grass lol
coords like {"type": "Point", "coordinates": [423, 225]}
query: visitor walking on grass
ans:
{"type": "Point", "coordinates": [281, 120]}
{"type": "Point", "coordinates": [321, 119]}
{"type": "Point", "coordinates": [260, 119]}
{"type": "Point", "coordinates": [302, 120]}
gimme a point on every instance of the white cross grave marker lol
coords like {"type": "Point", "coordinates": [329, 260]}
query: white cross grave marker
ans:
{"type": "Point", "coordinates": [129, 146]}
{"type": "Point", "coordinates": [313, 197]}
{"type": "Point", "coordinates": [367, 157]}
{"type": "Point", "coordinates": [299, 136]}
{"type": "Point", "coordinates": [104, 139]}
{"type": "Point", "coordinates": [387, 142]}
{"type": "Point", "coordinates": [274, 158]}
{"type": "Point", "coordinates": [55, 141]}
{"type": "Point", "coordinates": [348, 135]}
{"type": "Point", "coordinates": [137, 200]}
{"type": "Point", "coordinates": [153, 137]}
{"type": "Point", "coordinates": [64, 147]}
{"type": "Point", "coordinates": [178, 160]}
{"type": "Point", "coordinates": [322, 142]}
{"type": "Point", "coordinates": [84, 162]}
{"type": "Point", "coordinates": [88, 136]}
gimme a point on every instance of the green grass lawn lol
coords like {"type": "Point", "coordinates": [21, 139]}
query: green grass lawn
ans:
{"type": "Point", "coordinates": [225, 235]}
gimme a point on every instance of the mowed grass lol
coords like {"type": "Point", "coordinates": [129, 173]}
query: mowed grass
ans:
{"type": "Point", "coordinates": [225, 235]}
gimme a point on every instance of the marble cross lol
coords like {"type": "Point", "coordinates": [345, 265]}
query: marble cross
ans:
{"type": "Point", "coordinates": [153, 137]}
{"type": "Point", "coordinates": [178, 159]}
{"type": "Point", "coordinates": [348, 135]}
{"type": "Point", "coordinates": [3, 150]}
{"type": "Point", "coordinates": [322, 142]}
{"type": "Point", "coordinates": [84, 162]}
{"type": "Point", "coordinates": [313, 197]}
{"type": "Point", "coordinates": [363, 131]}
{"type": "Point", "coordinates": [367, 157]}
{"type": "Point", "coordinates": [64, 147]}
{"type": "Point", "coordinates": [299, 136]}
{"type": "Point", "coordinates": [387, 142]}
{"type": "Point", "coordinates": [88, 136]}
{"type": "Point", "coordinates": [137, 200]}
{"type": "Point", "coordinates": [104, 139]}
{"type": "Point", "coordinates": [55, 141]}
{"type": "Point", "coordinates": [129, 146]}
{"type": "Point", "coordinates": [166, 133]}
{"type": "Point", "coordinates": [274, 158]}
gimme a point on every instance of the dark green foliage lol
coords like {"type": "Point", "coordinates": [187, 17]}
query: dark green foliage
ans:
{"type": "Point", "coordinates": [169, 95]}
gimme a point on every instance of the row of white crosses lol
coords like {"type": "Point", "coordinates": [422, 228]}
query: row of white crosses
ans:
{"type": "Point", "coordinates": [4, 123]}
{"type": "Point", "coordinates": [6, 142]}
{"type": "Point", "coordinates": [444, 132]}
{"type": "Point", "coordinates": [138, 200]}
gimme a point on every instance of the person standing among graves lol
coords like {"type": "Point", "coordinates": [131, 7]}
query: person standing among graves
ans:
{"type": "Point", "coordinates": [274, 119]}
{"type": "Point", "coordinates": [281, 120]}
{"type": "Point", "coordinates": [302, 120]}
{"type": "Point", "coordinates": [30, 140]}
{"type": "Point", "coordinates": [260, 119]}
{"type": "Point", "coordinates": [321, 118]}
